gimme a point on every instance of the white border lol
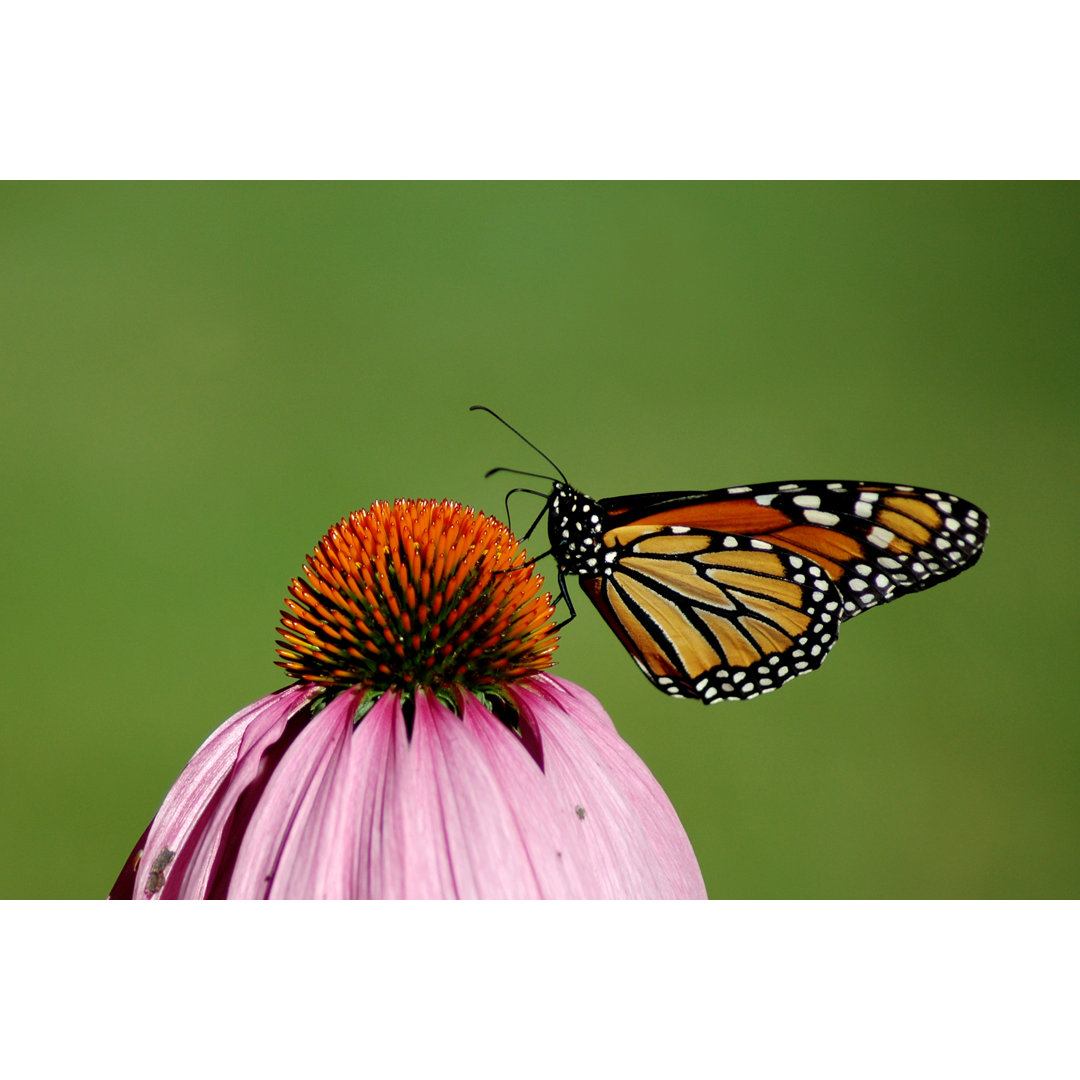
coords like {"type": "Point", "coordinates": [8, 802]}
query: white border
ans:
{"type": "Point", "coordinates": [563, 89]}
{"type": "Point", "coordinates": [745, 989]}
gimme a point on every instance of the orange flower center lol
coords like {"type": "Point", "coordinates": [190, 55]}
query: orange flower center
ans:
{"type": "Point", "coordinates": [420, 593]}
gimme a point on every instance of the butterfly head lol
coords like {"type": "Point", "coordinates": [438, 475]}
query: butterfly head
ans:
{"type": "Point", "coordinates": [575, 529]}
{"type": "Point", "coordinates": [576, 523]}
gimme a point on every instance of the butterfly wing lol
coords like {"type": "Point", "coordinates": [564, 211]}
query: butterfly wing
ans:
{"type": "Point", "coordinates": [711, 616]}
{"type": "Point", "coordinates": [875, 541]}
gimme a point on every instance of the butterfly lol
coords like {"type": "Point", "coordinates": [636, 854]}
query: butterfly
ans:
{"type": "Point", "coordinates": [724, 595]}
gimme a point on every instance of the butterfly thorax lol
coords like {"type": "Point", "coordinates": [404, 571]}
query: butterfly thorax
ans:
{"type": "Point", "coordinates": [575, 528]}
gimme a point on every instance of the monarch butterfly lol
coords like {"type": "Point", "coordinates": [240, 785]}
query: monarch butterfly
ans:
{"type": "Point", "coordinates": [724, 595]}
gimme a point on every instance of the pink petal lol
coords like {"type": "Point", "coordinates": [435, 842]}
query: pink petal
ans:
{"type": "Point", "coordinates": [460, 811]}
{"type": "Point", "coordinates": [329, 825]}
{"type": "Point", "coordinates": [278, 803]}
{"type": "Point", "coordinates": [298, 842]}
{"type": "Point", "coordinates": [480, 821]}
{"type": "Point", "coordinates": [193, 818]}
{"type": "Point", "coordinates": [631, 831]}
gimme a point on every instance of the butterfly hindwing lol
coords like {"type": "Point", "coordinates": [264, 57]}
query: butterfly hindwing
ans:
{"type": "Point", "coordinates": [714, 616]}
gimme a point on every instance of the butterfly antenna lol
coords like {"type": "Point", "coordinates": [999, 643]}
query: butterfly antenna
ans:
{"type": "Point", "coordinates": [519, 472]}
{"type": "Point", "coordinates": [484, 408]}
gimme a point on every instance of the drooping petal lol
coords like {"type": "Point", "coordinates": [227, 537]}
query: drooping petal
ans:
{"type": "Point", "coordinates": [634, 838]}
{"type": "Point", "coordinates": [299, 842]}
{"type": "Point", "coordinates": [480, 819]}
{"type": "Point", "coordinates": [460, 810]}
{"type": "Point", "coordinates": [186, 836]}
{"type": "Point", "coordinates": [279, 803]}
{"type": "Point", "coordinates": [373, 801]}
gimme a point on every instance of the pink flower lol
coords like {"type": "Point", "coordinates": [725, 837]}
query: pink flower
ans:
{"type": "Point", "coordinates": [452, 767]}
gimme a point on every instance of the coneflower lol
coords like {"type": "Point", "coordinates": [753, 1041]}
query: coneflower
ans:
{"type": "Point", "coordinates": [423, 750]}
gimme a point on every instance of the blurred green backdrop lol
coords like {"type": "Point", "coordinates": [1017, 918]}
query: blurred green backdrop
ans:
{"type": "Point", "coordinates": [199, 378]}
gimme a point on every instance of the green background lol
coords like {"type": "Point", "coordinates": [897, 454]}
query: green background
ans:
{"type": "Point", "coordinates": [199, 379]}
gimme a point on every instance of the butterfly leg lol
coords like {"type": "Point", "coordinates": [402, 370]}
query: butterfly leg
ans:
{"type": "Point", "coordinates": [525, 565]}
{"type": "Point", "coordinates": [564, 594]}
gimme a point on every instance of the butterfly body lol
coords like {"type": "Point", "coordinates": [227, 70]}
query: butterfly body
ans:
{"type": "Point", "coordinates": [723, 595]}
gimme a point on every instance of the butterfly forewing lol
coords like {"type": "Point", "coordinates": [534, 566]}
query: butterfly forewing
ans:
{"type": "Point", "coordinates": [875, 541]}
{"type": "Point", "coordinates": [713, 616]}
